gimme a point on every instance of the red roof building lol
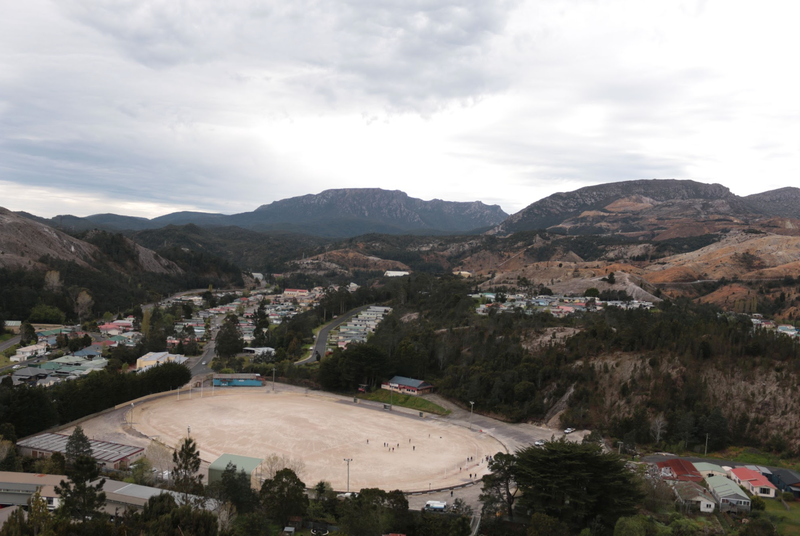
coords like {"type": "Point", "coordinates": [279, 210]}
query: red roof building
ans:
{"type": "Point", "coordinates": [681, 470]}
{"type": "Point", "coordinates": [755, 482]}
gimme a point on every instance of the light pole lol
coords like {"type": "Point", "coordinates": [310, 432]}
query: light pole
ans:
{"type": "Point", "coordinates": [131, 414]}
{"type": "Point", "coordinates": [471, 409]}
{"type": "Point", "coordinates": [348, 460]}
{"type": "Point", "coordinates": [273, 379]}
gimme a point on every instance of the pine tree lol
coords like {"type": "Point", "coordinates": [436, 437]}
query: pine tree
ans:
{"type": "Point", "coordinates": [78, 445]}
{"type": "Point", "coordinates": [80, 499]}
{"type": "Point", "coordinates": [187, 463]}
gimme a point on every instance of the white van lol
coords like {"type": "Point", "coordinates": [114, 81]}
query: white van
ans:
{"type": "Point", "coordinates": [435, 506]}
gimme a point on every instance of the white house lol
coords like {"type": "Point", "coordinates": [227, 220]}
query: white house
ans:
{"type": "Point", "coordinates": [29, 351]}
{"type": "Point", "coordinates": [695, 495]}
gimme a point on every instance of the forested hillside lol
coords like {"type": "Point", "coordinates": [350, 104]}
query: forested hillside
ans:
{"type": "Point", "coordinates": [616, 371]}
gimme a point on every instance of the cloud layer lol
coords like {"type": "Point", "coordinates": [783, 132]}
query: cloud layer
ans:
{"type": "Point", "coordinates": [148, 107]}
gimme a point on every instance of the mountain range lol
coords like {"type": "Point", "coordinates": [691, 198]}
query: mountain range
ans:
{"type": "Point", "coordinates": [332, 213]}
{"type": "Point", "coordinates": [658, 209]}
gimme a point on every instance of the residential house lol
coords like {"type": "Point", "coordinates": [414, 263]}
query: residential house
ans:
{"type": "Point", "coordinates": [710, 469]}
{"type": "Point", "coordinates": [27, 352]}
{"type": "Point", "coordinates": [786, 480]}
{"type": "Point", "coordinates": [728, 494]}
{"type": "Point", "coordinates": [679, 470]}
{"type": "Point", "coordinates": [694, 495]}
{"type": "Point", "coordinates": [754, 482]}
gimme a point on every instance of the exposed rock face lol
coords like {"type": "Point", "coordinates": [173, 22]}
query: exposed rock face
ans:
{"type": "Point", "coordinates": [784, 202]}
{"type": "Point", "coordinates": [627, 207]}
{"type": "Point", "coordinates": [23, 242]}
{"type": "Point", "coordinates": [374, 206]}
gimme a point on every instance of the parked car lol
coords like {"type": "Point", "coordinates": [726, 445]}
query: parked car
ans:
{"type": "Point", "coordinates": [539, 443]}
{"type": "Point", "coordinates": [569, 430]}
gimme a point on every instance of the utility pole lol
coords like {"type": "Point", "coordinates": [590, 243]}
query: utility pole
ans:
{"type": "Point", "coordinates": [348, 460]}
{"type": "Point", "coordinates": [706, 452]}
{"type": "Point", "coordinates": [471, 410]}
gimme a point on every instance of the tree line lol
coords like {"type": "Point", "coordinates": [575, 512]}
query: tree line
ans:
{"type": "Point", "coordinates": [30, 410]}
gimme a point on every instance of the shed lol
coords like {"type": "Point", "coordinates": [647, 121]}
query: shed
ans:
{"type": "Point", "coordinates": [251, 466]}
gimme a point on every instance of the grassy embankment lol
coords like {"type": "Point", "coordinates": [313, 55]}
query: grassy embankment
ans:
{"type": "Point", "coordinates": [406, 401]}
{"type": "Point", "coordinates": [787, 522]}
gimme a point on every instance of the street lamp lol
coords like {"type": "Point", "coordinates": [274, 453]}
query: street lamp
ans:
{"type": "Point", "coordinates": [273, 379]}
{"type": "Point", "coordinates": [471, 409]}
{"type": "Point", "coordinates": [348, 460]}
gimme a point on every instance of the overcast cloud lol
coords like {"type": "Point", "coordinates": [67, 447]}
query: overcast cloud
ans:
{"type": "Point", "coordinates": [149, 107]}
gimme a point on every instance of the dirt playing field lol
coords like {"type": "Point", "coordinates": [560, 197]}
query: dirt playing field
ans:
{"type": "Point", "coordinates": [390, 449]}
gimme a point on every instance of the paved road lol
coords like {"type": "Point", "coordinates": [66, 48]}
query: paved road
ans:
{"type": "Point", "coordinates": [322, 336]}
{"type": "Point", "coordinates": [9, 343]}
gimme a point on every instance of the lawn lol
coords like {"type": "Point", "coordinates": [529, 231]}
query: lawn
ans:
{"type": "Point", "coordinates": [406, 401]}
{"type": "Point", "coordinates": [787, 522]}
{"type": "Point", "coordinates": [754, 456]}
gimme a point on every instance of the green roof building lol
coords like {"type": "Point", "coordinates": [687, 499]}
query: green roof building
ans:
{"type": "Point", "coordinates": [251, 466]}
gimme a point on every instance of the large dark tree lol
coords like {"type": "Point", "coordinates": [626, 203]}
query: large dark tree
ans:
{"type": "Point", "coordinates": [80, 499]}
{"type": "Point", "coordinates": [576, 483]}
{"type": "Point", "coordinates": [187, 463]}
{"type": "Point", "coordinates": [229, 340]}
{"type": "Point", "coordinates": [234, 487]}
{"type": "Point", "coordinates": [77, 445]}
{"type": "Point", "coordinates": [498, 486]}
{"type": "Point", "coordinates": [284, 496]}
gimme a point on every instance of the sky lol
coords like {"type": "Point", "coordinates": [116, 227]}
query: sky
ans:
{"type": "Point", "coordinates": [146, 107]}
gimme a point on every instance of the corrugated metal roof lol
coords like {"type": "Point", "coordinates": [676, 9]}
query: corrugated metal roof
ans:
{"type": "Point", "coordinates": [241, 462]}
{"type": "Point", "coordinates": [409, 382]}
{"type": "Point", "coordinates": [102, 451]}
{"type": "Point", "coordinates": [725, 487]}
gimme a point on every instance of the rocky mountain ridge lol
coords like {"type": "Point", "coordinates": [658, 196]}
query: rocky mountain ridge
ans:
{"type": "Point", "coordinates": [24, 242]}
{"type": "Point", "coordinates": [657, 209]}
{"type": "Point", "coordinates": [332, 213]}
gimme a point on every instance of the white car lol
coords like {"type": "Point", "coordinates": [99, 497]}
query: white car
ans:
{"type": "Point", "coordinates": [569, 430]}
{"type": "Point", "coordinates": [539, 443]}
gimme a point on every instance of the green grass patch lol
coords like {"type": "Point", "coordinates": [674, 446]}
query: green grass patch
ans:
{"type": "Point", "coordinates": [749, 455]}
{"type": "Point", "coordinates": [4, 360]}
{"type": "Point", "coordinates": [5, 336]}
{"type": "Point", "coordinates": [10, 351]}
{"type": "Point", "coordinates": [787, 522]}
{"type": "Point", "coordinates": [406, 401]}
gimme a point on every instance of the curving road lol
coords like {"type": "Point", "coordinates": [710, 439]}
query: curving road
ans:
{"type": "Point", "coordinates": [322, 337]}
